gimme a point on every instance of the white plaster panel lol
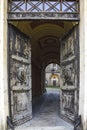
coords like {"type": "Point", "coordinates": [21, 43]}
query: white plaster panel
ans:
{"type": "Point", "coordinates": [3, 65]}
{"type": "Point", "coordinates": [83, 63]}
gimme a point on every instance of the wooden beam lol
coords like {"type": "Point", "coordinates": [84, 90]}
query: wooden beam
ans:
{"type": "Point", "coordinates": [45, 15]}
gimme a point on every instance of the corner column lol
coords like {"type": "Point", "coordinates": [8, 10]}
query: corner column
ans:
{"type": "Point", "coordinates": [83, 63]}
{"type": "Point", "coordinates": [3, 66]}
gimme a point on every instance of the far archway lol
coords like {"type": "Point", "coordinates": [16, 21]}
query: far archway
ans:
{"type": "Point", "coordinates": [52, 76]}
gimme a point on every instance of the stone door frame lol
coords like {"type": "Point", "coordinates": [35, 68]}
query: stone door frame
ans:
{"type": "Point", "coordinates": [4, 107]}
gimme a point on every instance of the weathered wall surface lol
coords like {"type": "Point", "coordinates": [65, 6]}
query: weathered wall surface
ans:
{"type": "Point", "coordinates": [83, 63]}
{"type": "Point", "coordinates": [70, 73]}
{"type": "Point", "coordinates": [19, 60]}
{"type": "Point", "coordinates": [4, 109]}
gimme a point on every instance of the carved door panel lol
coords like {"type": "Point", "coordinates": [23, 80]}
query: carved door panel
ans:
{"type": "Point", "coordinates": [19, 76]}
{"type": "Point", "coordinates": [70, 73]}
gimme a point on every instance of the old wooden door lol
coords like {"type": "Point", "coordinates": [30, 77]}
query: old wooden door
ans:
{"type": "Point", "coordinates": [70, 73]}
{"type": "Point", "coordinates": [19, 76]}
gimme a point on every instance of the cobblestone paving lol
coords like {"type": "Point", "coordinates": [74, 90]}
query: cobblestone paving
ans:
{"type": "Point", "coordinates": [46, 114]}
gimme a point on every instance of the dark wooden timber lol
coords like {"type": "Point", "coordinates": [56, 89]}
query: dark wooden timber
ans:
{"type": "Point", "coordinates": [42, 15]}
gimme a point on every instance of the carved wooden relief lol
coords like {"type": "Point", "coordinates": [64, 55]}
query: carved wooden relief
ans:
{"type": "Point", "coordinates": [20, 76]}
{"type": "Point", "coordinates": [19, 73]}
{"type": "Point", "coordinates": [68, 102]}
{"type": "Point", "coordinates": [70, 73]}
{"type": "Point", "coordinates": [68, 48]}
{"type": "Point", "coordinates": [20, 45]}
{"type": "Point", "coordinates": [21, 104]}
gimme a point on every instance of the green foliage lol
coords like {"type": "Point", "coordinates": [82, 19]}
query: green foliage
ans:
{"type": "Point", "coordinates": [53, 86]}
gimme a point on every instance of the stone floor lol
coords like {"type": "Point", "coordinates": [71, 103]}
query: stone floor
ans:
{"type": "Point", "coordinates": [46, 114]}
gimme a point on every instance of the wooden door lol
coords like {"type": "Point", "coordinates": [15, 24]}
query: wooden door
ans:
{"type": "Point", "coordinates": [19, 76]}
{"type": "Point", "coordinates": [70, 73]}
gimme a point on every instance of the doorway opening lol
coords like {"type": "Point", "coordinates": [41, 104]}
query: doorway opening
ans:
{"type": "Point", "coordinates": [33, 45]}
{"type": "Point", "coordinates": [52, 81]}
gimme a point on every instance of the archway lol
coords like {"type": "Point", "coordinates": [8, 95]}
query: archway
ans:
{"type": "Point", "coordinates": [52, 75]}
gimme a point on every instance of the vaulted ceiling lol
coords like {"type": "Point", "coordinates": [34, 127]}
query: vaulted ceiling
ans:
{"type": "Point", "coordinates": [44, 37]}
